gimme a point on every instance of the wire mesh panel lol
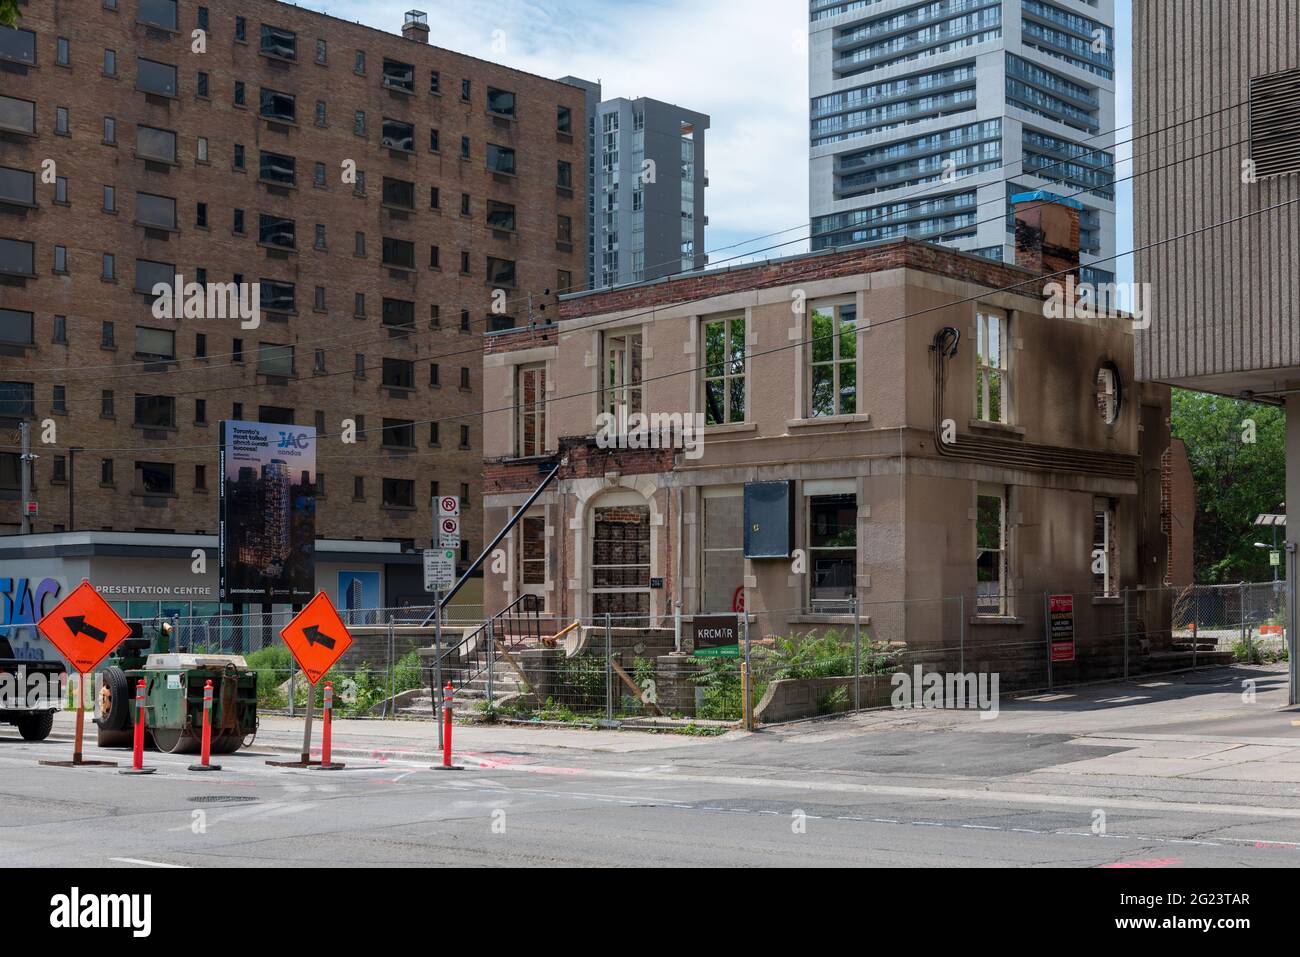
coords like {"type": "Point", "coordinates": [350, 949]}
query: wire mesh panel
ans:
{"type": "Point", "coordinates": [793, 662]}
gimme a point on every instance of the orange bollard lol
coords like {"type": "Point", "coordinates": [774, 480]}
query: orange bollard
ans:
{"type": "Point", "coordinates": [447, 703]}
{"type": "Point", "coordinates": [205, 759]}
{"type": "Point", "coordinates": [137, 762]}
{"type": "Point", "coordinates": [327, 733]}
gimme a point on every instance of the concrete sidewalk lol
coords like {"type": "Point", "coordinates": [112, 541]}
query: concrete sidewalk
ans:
{"type": "Point", "coordinates": [1223, 724]}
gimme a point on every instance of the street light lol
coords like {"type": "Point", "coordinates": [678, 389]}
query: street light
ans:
{"type": "Point", "coordinates": [1270, 548]}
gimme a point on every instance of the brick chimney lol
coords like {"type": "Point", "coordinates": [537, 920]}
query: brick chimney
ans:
{"type": "Point", "coordinates": [416, 26]}
{"type": "Point", "coordinates": [1047, 232]}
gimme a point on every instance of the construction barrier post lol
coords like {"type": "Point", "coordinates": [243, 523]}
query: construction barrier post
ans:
{"type": "Point", "coordinates": [77, 760]}
{"type": "Point", "coordinates": [327, 733]}
{"type": "Point", "coordinates": [205, 755]}
{"type": "Point", "coordinates": [447, 703]}
{"type": "Point", "coordinates": [137, 763]}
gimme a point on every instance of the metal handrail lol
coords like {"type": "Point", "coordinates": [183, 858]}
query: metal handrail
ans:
{"type": "Point", "coordinates": [525, 610]}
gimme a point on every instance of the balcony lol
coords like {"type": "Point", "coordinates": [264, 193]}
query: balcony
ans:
{"type": "Point", "coordinates": [1049, 82]}
{"type": "Point", "coordinates": [926, 40]}
{"type": "Point", "coordinates": [911, 20]}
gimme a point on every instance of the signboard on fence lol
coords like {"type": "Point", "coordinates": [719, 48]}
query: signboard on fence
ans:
{"type": "Point", "coordinates": [1060, 611]}
{"type": "Point", "coordinates": [717, 636]}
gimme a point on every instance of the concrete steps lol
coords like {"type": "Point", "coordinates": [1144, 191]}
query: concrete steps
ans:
{"type": "Point", "coordinates": [505, 684]}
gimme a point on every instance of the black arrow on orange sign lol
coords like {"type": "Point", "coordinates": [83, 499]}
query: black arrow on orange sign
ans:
{"type": "Point", "coordinates": [77, 625]}
{"type": "Point", "coordinates": [314, 637]}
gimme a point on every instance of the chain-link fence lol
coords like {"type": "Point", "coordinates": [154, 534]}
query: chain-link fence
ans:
{"type": "Point", "coordinates": [795, 662]}
{"type": "Point", "coordinates": [1245, 618]}
{"type": "Point", "coordinates": [380, 676]}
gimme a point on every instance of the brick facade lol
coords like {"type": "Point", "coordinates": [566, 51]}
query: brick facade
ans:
{"type": "Point", "coordinates": [350, 264]}
{"type": "Point", "coordinates": [895, 255]}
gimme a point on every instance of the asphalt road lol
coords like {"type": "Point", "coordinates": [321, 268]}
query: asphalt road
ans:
{"type": "Point", "coordinates": [930, 789]}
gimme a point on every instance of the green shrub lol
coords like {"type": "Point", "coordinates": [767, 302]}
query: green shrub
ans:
{"type": "Point", "coordinates": [273, 664]}
{"type": "Point", "coordinates": [1255, 653]}
{"type": "Point", "coordinates": [829, 655]}
{"type": "Point", "coordinates": [722, 693]}
{"type": "Point", "coordinates": [580, 683]}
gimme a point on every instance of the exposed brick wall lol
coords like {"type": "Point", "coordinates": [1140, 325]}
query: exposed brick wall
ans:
{"type": "Point", "coordinates": [526, 338]}
{"type": "Point", "coordinates": [904, 253]}
{"type": "Point", "coordinates": [584, 460]}
{"type": "Point", "coordinates": [1047, 236]}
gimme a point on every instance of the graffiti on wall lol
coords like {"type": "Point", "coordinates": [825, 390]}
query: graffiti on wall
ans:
{"type": "Point", "coordinates": [25, 603]}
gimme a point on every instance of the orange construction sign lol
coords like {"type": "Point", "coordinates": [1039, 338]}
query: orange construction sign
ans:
{"type": "Point", "coordinates": [84, 628]}
{"type": "Point", "coordinates": [317, 637]}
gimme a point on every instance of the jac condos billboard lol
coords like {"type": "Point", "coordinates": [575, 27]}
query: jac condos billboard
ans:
{"type": "Point", "coordinates": [267, 534]}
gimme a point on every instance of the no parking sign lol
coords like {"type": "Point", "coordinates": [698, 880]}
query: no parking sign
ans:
{"type": "Point", "coordinates": [447, 529]}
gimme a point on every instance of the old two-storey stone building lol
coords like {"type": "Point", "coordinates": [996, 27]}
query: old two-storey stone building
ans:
{"type": "Point", "coordinates": [897, 424]}
{"type": "Point", "coordinates": [379, 189]}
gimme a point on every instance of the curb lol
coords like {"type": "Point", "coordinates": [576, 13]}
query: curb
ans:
{"type": "Point", "coordinates": [375, 753]}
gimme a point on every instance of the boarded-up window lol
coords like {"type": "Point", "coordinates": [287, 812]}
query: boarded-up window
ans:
{"type": "Point", "coordinates": [723, 549]}
{"type": "Point", "coordinates": [620, 564]}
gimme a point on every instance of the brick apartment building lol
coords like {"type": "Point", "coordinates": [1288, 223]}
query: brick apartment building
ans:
{"type": "Point", "coordinates": [130, 152]}
{"type": "Point", "coordinates": [945, 469]}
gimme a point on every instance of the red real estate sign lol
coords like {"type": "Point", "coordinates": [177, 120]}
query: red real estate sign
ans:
{"type": "Point", "coordinates": [1060, 609]}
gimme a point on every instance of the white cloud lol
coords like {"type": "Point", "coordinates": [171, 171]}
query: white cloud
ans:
{"type": "Point", "coordinates": [743, 62]}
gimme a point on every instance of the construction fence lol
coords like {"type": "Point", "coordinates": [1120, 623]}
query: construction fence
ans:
{"type": "Point", "coordinates": [794, 663]}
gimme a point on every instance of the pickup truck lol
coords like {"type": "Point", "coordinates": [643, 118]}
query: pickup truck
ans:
{"type": "Point", "coordinates": [30, 692]}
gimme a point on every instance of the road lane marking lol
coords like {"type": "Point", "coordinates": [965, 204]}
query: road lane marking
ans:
{"type": "Point", "coordinates": [143, 863]}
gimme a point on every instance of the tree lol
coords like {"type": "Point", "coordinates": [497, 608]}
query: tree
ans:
{"type": "Point", "coordinates": [9, 13]}
{"type": "Point", "coordinates": [1237, 452]}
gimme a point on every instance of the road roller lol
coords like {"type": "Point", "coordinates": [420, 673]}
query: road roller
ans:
{"type": "Point", "coordinates": [174, 683]}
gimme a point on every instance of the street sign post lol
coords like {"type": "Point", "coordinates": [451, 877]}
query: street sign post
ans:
{"type": "Point", "coordinates": [447, 531]}
{"type": "Point", "coordinates": [85, 629]}
{"type": "Point", "coordinates": [439, 569]}
{"type": "Point", "coordinates": [439, 576]}
{"type": "Point", "coordinates": [317, 638]}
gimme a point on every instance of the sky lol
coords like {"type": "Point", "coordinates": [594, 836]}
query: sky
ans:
{"type": "Point", "coordinates": [743, 62]}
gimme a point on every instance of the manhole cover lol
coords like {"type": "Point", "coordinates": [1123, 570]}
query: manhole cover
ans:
{"type": "Point", "coordinates": [222, 798]}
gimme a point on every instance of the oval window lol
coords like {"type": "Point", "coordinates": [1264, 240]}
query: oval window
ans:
{"type": "Point", "coordinates": [1108, 397]}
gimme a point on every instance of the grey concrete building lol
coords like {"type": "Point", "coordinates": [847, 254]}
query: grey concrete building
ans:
{"type": "Point", "coordinates": [927, 117]}
{"type": "Point", "coordinates": [646, 182]}
{"type": "Point", "coordinates": [1222, 81]}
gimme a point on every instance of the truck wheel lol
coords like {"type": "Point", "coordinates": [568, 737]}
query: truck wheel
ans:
{"type": "Point", "coordinates": [114, 705]}
{"type": "Point", "coordinates": [36, 727]}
